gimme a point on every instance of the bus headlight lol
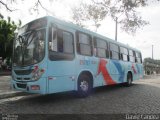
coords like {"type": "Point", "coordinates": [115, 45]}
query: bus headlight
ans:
{"type": "Point", "coordinates": [37, 74]}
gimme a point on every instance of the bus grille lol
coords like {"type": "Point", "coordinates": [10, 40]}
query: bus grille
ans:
{"type": "Point", "coordinates": [23, 79]}
{"type": "Point", "coordinates": [19, 85]}
{"type": "Point", "coordinates": [23, 72]}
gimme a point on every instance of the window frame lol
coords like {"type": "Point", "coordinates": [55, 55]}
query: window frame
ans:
{"type": "Point", "coordinates": [64, 31]}
{"type": "Point", "coordinates": [78, 43]}
{"type": "Point", "coordinates": [123, 53]}
{"type": "Point", "coordinates": [138, 57]}
{"type": "Point", "coordinates": [114, 51]}
{"type": "Point", "coordinates": [133, 55]}
{"type": "Point", "coordinates": [57, 55]}
{"type": "Point", "coordinates": [95, 46]}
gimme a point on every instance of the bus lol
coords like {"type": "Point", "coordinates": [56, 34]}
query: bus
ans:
{"type": "Point", "coordinates": [51, 56]}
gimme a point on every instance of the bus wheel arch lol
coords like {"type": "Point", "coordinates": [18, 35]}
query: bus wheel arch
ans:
{"type": "Point", "coordinates": [129, 79]}
{"type": "Point", "coordinates": [84, 84]}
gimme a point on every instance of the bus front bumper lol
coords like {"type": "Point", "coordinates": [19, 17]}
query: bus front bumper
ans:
{"type": "Point", "coordinates": [38, 86]}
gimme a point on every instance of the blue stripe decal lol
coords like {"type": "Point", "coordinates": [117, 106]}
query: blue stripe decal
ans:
{"type": "Point", "coordinates": [121, 72]}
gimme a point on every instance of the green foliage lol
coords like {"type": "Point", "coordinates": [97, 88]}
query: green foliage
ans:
{"type": "Point", "coordinates": [7, 34]}
{"type": "Point", "coordinates": [150, 60]}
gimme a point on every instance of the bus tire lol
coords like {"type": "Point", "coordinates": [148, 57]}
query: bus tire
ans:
{"type": "Point", "coordinates": [84, 86]}
{"type": "Point", "coordinates": [129, 80]}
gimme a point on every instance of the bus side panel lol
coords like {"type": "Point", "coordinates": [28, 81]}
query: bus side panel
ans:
{"type": "Point", "coordinates": [90, 64]}
{"type": "Point", "coordinates": [118, 70]}
{"type": "Point", "coordinates": [141, 71]}
{"type": "Point", "coordinates": [61, 73]}
{"type": "Point", "coordinates": [107, 72]}
{"type": "Point", "coordinates": [61, 76]}
{"type": "Point", "coordinates": [122, 68]}
{"type": "Point", "coordinates": [115, 69]}
{"type": "Point", "coordinates": [137, 70]}
{"type": "Point", "coordinates": [104, 71]}
{"type": "Point", "coordinates": [41, 82]}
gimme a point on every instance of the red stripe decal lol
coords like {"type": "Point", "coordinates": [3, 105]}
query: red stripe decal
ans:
{"type": "Point", "coordinates": [106, 76]}
{"type": "Point", "coordinates": [134, 70]}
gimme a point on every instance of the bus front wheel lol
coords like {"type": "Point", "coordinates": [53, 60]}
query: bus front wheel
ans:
{"type": "Point", "coordinates": [84, 86]}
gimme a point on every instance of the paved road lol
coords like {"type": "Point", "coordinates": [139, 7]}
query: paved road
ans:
{"type": "Point", "coordinates": [143, 97]}
{"type": "Point", "coordinates": [5, 84]}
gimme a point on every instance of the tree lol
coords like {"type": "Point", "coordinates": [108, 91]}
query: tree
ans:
{"type": "Point", "coordinates": [35, 8]}
{"type": "Point", "coordinates": [94, 11]}
{"type": "Point", "coordinates": [7, 34]}
{"type": "Point", "coordinates": [123, 10]}
{"type": "Point", "coordinates": [6, 5]}
{"type": "Point", "coordinates": [88, 12]}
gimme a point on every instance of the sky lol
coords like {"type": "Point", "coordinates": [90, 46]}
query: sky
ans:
{"type": "Point", "coordinates": [143, 40]}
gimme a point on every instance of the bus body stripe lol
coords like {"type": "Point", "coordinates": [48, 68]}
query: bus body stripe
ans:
{"type": "Point", "coordinates": [106, 76]}
{"type": "Point", "coordinates": [134, 70]}
{"type": "Point", "coordinates": [120, 70]}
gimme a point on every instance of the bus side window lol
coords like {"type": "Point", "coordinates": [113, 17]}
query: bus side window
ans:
{"type": "Point", "coordinates": [114, 51]}
{"type": "Point", "coordinates": [60, 40]}
{"type": "Point", "coordinates": [62, 45]}
{"type": "Point", "coordinates": [141, 57]}
{"type": "Point", "coordinates": [53, 39]}
{"type": "Point", "coordinates": [65, 42]}
{"type": "Point", "coordinates": [124, 53]}
{"type": "Point", "coordinates": [101, 47]}
{"type": "Point", "coordinates": [138, 57]}
{"type": "Point", "coordinates": [131, 56]}
{"type": "Point", "coordinates": [84, 44]}
{"type": "Point", "coordinates": [68, 42]}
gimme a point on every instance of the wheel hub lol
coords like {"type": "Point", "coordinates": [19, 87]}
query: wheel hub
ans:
{"type": "Point", "coordinates": [84, 85]}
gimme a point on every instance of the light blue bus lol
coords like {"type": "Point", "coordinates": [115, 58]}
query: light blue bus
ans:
{"type": "Point", "coordinates": [52, 56]}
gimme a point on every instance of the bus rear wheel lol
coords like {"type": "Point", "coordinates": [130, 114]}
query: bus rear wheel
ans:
{"type": "Point", "coordinates": [129, 80]}
{"type": "Point", "coordinates": [84, 86]}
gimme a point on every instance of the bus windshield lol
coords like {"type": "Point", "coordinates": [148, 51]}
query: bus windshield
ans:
{"type": "Point", "coordinates": [29, 48]}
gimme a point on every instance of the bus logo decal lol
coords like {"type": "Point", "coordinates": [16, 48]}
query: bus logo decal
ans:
{"type": "Point", "coordinates": [87, 62]}
{"type": "Point", "coordinates": [106, 76]}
